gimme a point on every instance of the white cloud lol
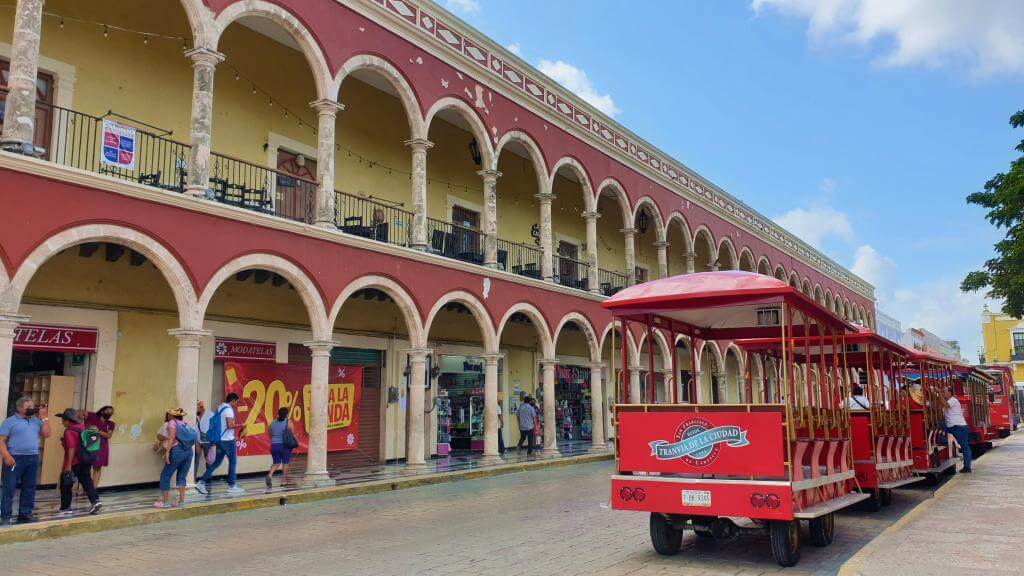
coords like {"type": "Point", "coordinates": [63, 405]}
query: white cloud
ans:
{"type": "Point", "coordinates": [816, 223]}
{"type": "Point", "coordinates": [939, 306]}
{"type": "Point", "coordinates": [983, 35]}
{"type": "Point", "coordinates": [828, 185]}
{"type": "Point", "coordinates": [577, 81]}
{"type": "Point", "coordinates": [872, 266]}
{"type": "Point", "coordinates": [515, 48]}
{"type": "Point", "coordinates": [463, 6]}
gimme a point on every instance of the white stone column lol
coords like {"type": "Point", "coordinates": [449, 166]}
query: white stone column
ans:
{"type": "Point", "coordinates": [490, 178]}
{"type": "Point", "coordinates": [415, 442]}
{"type": "Point", "coordinates": [594, 283]}
{"type": "Point", "coordinates": [547, 259]}
{"type": "Point", "coordinates": [491, 431]}
{"type": "Point", "coordinates": [629, 238]}
{"type": "Point", "coordinates": [662, 247]}
{"type": "Point", "coordinates": [20, 108]}
{"type": "Point", "coordinates": [204, 63]}
{"type": "Point", "coordinates": [634, 385]}
{"type": "Point", "coordinates": [8, 322]}
{"type": "Point", "coordinates": [419, 147]}
{"type": "Point", "coordinates": [550, 428]}
{"type": "Point", "coordinates": [187, 381]}
{"type": "Point", "coordinates": [597, 411]}
{"type": "Point", "coordinates": [666, 384]}
{"type": "Point", "coordinates": [327, 113]}
{"type": "Point", "coordinates": [691, 262]}
{"type": "Point", "coordinates": [316, 458]}
{"type": "Point", "coordinates": [723, 387]}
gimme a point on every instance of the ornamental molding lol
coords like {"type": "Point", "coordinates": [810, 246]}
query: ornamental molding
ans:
{"type": "Point", "coordinates": [465, 48]}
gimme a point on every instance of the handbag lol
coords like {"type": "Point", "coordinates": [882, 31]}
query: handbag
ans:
{"type": "Point", "coordinates": [288, 439]}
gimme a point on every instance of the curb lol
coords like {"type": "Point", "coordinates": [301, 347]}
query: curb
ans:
{"type": "Point", "coordinates": [852, 566]}
{"type": "Point", "coordinates": [100, 523]}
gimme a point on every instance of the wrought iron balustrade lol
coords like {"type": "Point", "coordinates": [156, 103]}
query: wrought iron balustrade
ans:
{"type": "Point", "coordinates": [572, 273]}
{"type": "Point", "coordinates": [362, 216]}
{"type": "Point", "coordinates": [611, 282]}
{"type": "Point", "coordinates": [521, 259]}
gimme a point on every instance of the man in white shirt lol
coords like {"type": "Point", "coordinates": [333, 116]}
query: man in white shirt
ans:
{"type": "Point", "coordinates": [957, 426]}
{"type": "Point", "coordinates": [857, 401]}
{"type": "Point", "coordinates": [527, 417]}
{"type": "Point", "coordinates": [226, 447]}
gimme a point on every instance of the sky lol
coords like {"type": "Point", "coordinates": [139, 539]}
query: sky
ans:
{"type": "Point", "coordinates": [859, 125]}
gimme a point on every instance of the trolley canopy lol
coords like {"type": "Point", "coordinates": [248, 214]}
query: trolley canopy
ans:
{"type": "Point", "coordinates": [857, 347]}
{"type": "Point", "coordinates": [725, 305]}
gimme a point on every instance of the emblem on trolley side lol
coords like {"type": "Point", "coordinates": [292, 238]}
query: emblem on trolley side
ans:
{"type": "Point", "coordinates": [698, 443]}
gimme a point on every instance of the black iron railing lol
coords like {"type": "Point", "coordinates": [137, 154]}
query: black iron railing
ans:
{"type": "Point", "coordinates": [455, 241]}
{"type": "Point", "coordinates": [572, 273]}
{"type": "Point", "coordinates": [361, 216]}
{"type": "Point", "coordinates": [521, 259]}
{"type": "Point", "coordinates": [247, 185]}
{"type": "Point", "coordinates": [611, 282]}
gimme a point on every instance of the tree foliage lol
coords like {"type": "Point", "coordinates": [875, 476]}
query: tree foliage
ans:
{"type": "Point", "coordinates": [1003, 196]}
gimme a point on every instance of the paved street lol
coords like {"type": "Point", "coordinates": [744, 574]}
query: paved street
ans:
{"type": "Point", "coordinates": [547, 522]}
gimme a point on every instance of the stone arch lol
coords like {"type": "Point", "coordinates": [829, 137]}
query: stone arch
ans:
{"type": "Point", "coordinates": [325, 87]}
{"type": "Point", "coordinates": [716, 354]}
{"type": "Point", "coordinates": [397, 292]}
{"type": "Point", "coordinates": [734, 379]}
{"type": "Point", "coordinates": [746, 260]}
{"type": "Point", "coordinates": [764, 266]}
{"type": "Point", "coordinates": [847, 309]}
{"type": "Point", "coordinates": [476, 308]}
{"type": "Point", "coordinates": [394, 77]}
{"type": "Point", "coordinates": [687, 238]}
{"type": "Point", "coordinates": [307, 290]}
{"type": "Point", "coordinates": [703, 235]}
{"type": "Point", "coordinates": [588, 331]}
{"type": "Point", "coordinates": [780, 273]}
{"type": "Point", "coordinates": [818, 297]}
{"type": "Point", "coordinates": [200, 20]}
{"type": "Point", "coordinates": [631, 349]}
{"type": "Point", "coordinates": [547, 343]}
{"type": "Point", "coordinates": [477, 126]}
{"type": "Point", "coordinates": [620, 195]}
{"type": "Point", "coordinates": [730, 249]}
{"type": "Point", "coordinates": [659, 222]}
{"type": "Point", "coordinates": [794, 280]}
{"type": "Point", "coordinates": [536, 155]}
{"type": "Point", "coordinates": [589, 200]}
{"type": "Point", "coordinates": [806, 288]}
{"type": "Point", "coordinates": [829, 302]}
{"type": "Point", "coordinates": [166, 262]}
{"type": "Point", "coordinates": [663, 348]}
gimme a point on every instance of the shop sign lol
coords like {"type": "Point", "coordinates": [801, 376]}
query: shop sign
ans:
{"type": "Point", "coordinates": [41, 338]}
{"type": "Point", "coordinates": [118, 147]}
{"type": "Point", "coordinates": [227, 349]}
{"type": "Point", "coordinates": [264, 387]}
{"type": "Point", "coordinates": [578, 374]}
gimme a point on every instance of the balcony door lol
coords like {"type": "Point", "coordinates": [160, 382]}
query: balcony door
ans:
{"type": "Point", "coordinates": [568, 253]}
{"type": "Point", "coordinates": [44, 105]}
{"type": "Point", "coordinates": [295, 187]}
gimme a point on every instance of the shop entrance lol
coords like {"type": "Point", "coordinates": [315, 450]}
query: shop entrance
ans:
{"type": "Point", "coordinates": [460, 405]}
{"type": "Point", "coordinates": [573, 412]}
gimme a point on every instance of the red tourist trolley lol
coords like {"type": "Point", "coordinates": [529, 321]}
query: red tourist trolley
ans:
{"type": "Point", "coordinates": [925, 376]}
{"type": "Point", "coordinates": [1001, 400]}
{"type": "Point", "coordinates": [713, 468]}
{"type": "Point", "coordinates": [971, 388]}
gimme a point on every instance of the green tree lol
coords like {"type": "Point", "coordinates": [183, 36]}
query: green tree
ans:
{"type": "Point", "coordinates": [1004, 199]}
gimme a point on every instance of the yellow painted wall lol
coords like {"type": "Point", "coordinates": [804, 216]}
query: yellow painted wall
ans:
{"type": "Point", "coordinates": [567, 215]}
{"type": "Point", "coordinates": [611, 254]}
{"type": "Point", "coordinates": [998, 340]}
{"type": "Point", "coordinates": [646, 252]}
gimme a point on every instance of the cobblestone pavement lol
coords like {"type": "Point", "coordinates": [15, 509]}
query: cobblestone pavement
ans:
{"type": "Point", "coordinates": [974, 525]}
{"type": "Point", "coordinates": [554, 521]}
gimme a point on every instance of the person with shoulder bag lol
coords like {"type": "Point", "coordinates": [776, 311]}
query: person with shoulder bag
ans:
{"type": "Point", "coordinates": [81, 446]}
{"type": "Point", "coordinates": [282, 443]}
{"type": "Point", "coordinates": [181, 444]}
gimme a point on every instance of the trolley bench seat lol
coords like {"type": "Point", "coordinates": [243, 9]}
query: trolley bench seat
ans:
{"type": "Point", "coordinates": [830, 506]}
{"type": "Point", "coordinates": [898, 483]}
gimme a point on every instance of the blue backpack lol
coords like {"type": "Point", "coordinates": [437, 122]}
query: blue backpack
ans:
{"type": "Point", "coordinates": [185, 434]}
{"type": "Point", "coordinates": [214, 430]}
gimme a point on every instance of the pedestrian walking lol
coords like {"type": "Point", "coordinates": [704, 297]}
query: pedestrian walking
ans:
{"type": "Point", "coordinates": [501, 432]}
{"type": "Point", "coordinates": [221, 431]}
{"type": "Point", "coordinates": [181, 445]}
{"type": "Point", "coordinates": [81, 446]}
{"type": "Point", "coordinates": [527, 419]}
{"type": "Point", "coordinates": [957, 426]}
{"type": "Point", "coordinates": [282, 442]}
{"type": "Point", "coordinates": [19, 448]}
{"type": "Point", "coordinates": [205, 451]}
{"type": "Point", "coordinates": [102, 423]}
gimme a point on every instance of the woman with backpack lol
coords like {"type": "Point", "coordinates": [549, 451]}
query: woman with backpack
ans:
{"type": "Point", "coordinates": [282, 442]}
{"type": "Point", "coordinates": [102, 423]}
{"type": "Point", "coordinates": [80, 449]}
{"type": "Point", "coordinates": [181, 442]}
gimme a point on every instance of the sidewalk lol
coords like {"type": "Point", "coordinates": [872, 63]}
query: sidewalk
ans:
{"type": "Point", "coordinates": [974, 524]}
{"type": "Point", "coordinates": [134, 506]}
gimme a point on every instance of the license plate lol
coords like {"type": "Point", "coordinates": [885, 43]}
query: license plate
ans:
{"type": "Point", "coordinates": [700, 498]}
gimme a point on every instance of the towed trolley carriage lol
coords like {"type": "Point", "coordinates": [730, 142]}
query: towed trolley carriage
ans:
{"type": "Point", "coordinates": [718, 469]}
{"type": "Point", "coordinates": [971, 388]}
{"type": "Point", "coordinates": [925, 376]}
{"type": "Point", "coordinates": [1000, 400]}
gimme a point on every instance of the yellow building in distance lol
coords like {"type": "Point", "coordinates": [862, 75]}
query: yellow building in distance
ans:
{"type": "Point", "coordinates": [1004, 341]}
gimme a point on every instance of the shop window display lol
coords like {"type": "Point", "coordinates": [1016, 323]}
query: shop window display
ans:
{"type": "Point", "coordinates": [573, 417]}
{"type": "Point", "coordinates": [460, 405]}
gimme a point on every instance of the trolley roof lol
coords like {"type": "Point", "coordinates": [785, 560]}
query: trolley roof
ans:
{"type": "Point", "coordinates": [722, 305]}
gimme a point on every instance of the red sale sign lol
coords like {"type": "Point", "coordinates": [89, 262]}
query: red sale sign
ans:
{"type": "Point", "coordinates": [264, 387]}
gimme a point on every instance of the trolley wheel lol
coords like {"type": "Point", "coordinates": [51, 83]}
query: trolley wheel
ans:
{"type": "Point", "coordinates": [873, 503]}
{"type": "Point", "coordinates": [785, 539]}
{"type": "Point", "coordinates": [822, 529]}
{"type": "Point", "coordinates": [667, 539]}
{"type": "Point", "coordinates": [885, 496]}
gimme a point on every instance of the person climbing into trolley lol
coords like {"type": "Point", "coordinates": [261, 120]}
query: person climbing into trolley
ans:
{"type": "Point", "coordinates": [957, 426]}
{"type": "Point", "coordinates": [857, 400]}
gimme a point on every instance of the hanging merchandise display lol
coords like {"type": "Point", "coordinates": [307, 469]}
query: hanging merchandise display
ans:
{"type": "Point", "coordinates": [573, 416]}
{"type": "Point", "coordinates": [460, 406]}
